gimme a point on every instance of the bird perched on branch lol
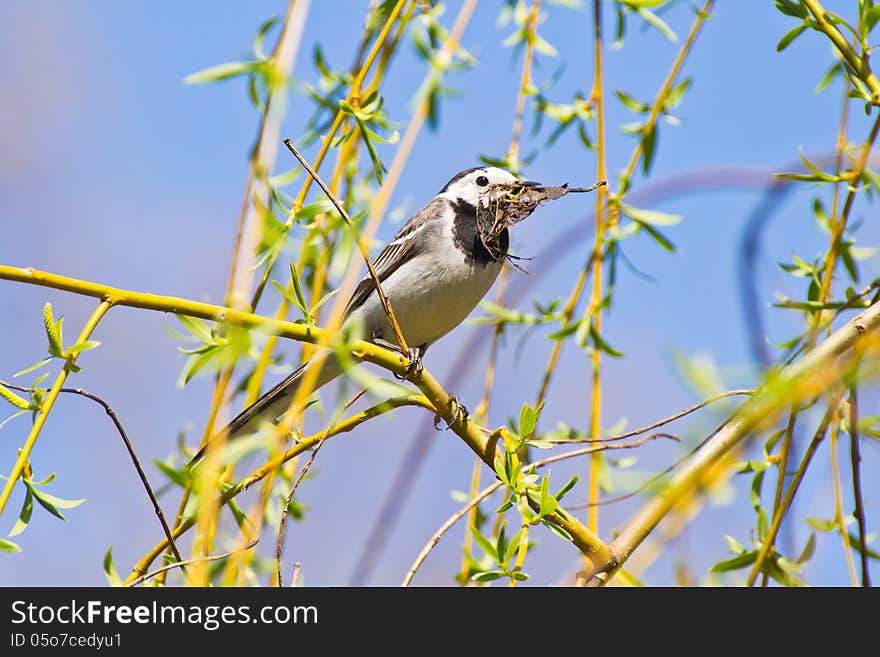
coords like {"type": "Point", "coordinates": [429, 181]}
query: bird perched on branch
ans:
{"type": "Point", "coordinates": [434, 272]}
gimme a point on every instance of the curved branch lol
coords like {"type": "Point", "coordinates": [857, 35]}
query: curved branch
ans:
{"type": "Point", "coordinates": [188, 562]}
{"type": "Point", "coordinates": [659, 423]}
{"type": "Point", "coordinates": [128, 446]}
{"type": "Point", "coordinates": [25, 452]}
{"type": "Point", "coordinates": [486, 492]}
{"type": "Point", "coordinates": [814, 371]}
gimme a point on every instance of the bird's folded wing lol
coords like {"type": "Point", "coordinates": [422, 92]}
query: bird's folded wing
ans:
{"type": "Point", "coordinates": [402, 247]}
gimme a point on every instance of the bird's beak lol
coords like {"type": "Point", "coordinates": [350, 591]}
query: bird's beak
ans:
{"type": "Point", "coordinates": [530, 183]}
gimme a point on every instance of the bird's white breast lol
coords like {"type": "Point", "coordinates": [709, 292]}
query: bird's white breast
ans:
{"type": "Point", "coordinates": [432, 293]}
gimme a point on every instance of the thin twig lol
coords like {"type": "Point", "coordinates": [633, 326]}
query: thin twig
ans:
{"type": "Point", "coordinates": [838, 502]}
{"type": "Point", "coordinates": [188, 562]}
{"type": "Point", "coordinates": [134, 459]}
{"type": "Point", "coordinates": [655, 425]}
{"type": "Point", "coordinates": [386, 304]}
{"type": "Point", "coordinates": [486, 492]}
{"type": "Point", "coordinates": [816, 371]}
{"type": "Point", "coordinates": [401, 483]}
{"type": "Point", "coordinates": [818, 437]}
{"type": "Point", "coordinates": [331, 133]}
{"type": "Point", "coordinates": [24, 453]}
{"type": "Point", "coordinates": [279, 543]}
{"type": "Point", "coordinates": [458, 515]}
{"type": "Point", "coordinates": [856, 459]}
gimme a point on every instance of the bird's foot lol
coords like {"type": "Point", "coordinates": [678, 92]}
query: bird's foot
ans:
{"type": "Point", "coordinates": [415, 364]}
{"type": "Point", "coordinates": [460, 414]}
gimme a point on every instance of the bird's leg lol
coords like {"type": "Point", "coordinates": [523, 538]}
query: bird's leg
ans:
{"type": "Point", "coordinates": [460, 413]}
{"type": "Point", "coordinates": [415, 361]}
{"type": "Point", "coordinates": [414, 355]}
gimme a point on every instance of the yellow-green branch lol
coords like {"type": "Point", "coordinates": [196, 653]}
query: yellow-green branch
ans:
{"type": "Point", "coordinates": [858, 63]}
{"type": "Point", "coordinates": [475, 438]}
{"type": "Point", "coordinates": [805, 378]}
{"type": "Point", "coordinates": [25, 452]}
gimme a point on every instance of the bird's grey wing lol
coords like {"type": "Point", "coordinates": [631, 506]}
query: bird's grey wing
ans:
{"type": "Point", "coordinates": [402, 247]}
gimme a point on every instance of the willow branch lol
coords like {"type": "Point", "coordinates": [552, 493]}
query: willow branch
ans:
{"type": "Point", "coordinates": [855, 460]}
{"type": "Point", "coordinates": [799, 380]}
{"type": "Point", "coordinates": [24, 453]}
{"type": "Point", "coordinates": [857, 62]}
{"type": "Point", "coordinates": [365, 253]}
{"type": "Point", "coordinates": [188, 562]}
{"type": "Point", "coordinates": [780, 512]}
{"type": "Point", "coordinates": [279, 541]}
{"type": "Point", "coordinates": [486, 492]}
{"type": "Point", "coordinates": [659, 423]}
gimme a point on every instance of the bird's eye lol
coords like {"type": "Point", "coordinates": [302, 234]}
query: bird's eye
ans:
{"type": "Point", "coordinates": [482, 181]}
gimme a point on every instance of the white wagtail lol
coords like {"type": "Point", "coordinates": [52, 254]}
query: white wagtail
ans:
{"type": "Point", "coordinates": [434, 272]}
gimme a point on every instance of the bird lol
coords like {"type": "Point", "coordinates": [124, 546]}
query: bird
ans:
{"type": "Point", "coordinates": [434, 272]}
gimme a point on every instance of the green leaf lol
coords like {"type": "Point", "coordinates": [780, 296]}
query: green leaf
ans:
{"type": "Point", "coordinates": [219, 72]}
{"type": "Point", "coordinates": [31, 368]}
{"type": "Point", "coordinates": [871, 18]}
{"type": "Point", "coordinates": [631, 103]}
{"type": "Point", "coordinates": [634, 4]}
{"type": "Point", "coordinates": [652, 217]}
{"type": "Point", "coordinates": [488, 576]}
{"type": "Point", "coordinates": [649, 142]}
{"type": "Point", "coordinates": [544, 47]}
{"type": "Point", "coordinates": [791, 8]}
{"type": "Point", "coordinates": [238, 513]}
{"type": "Point", "coordinates": [486, 544]}
{"type": "Point", "coordinates": [528, 419]}
{"type": "Point", "coordinates": [857, 546]}
{"type": "Point", "coordinates": [297, 288]}
{"type": "Point", "coordinates": [50, 502]}
{"type": "Point", "coordinates": [85, 345]}
{"type": "Point", "coordinates": [763, 524]}
{"type": "Point", "coordinates": [8, 546]}
{"type": "Point", "coordinates": [556, 529]}
{"type": "Point", "coordinates": [734, 545]}
{"type": "Point", "coordinates": [12, 417]}
{"type": "Point", "coordinates": [179, 477]}
{"type": "Point", "coordinates": [567, 488]}
{"type": "Point", "coordinates": [822, 525]}
{"type": "Point", "coordinates": [602, 345]}
{"type": "Point", "coordinates": [53, 332]}
{"type": "Point", "coordinates": [659, 237]}
{"type": "Point", "coordinates": [548, 503]}
{"type": "Point", "coordinates": [755, 493]}
{"type": "Point", "coordinates": [24, 517]}
{"type": "Point", "coordinates": [12, 398]}
{"type": "Point", "coordinates": [197, 327]}
{"type": "Point", "coordinates": [739, 561]}
{"type": "Point", "coordinates": [322, 301]}
{"type": "Point", "coordinates": [653, 19]}
{"type": "Point", "coordinates": [675, 94]}
{"type": "Point", "coordinates": [808, 551]}
{"type": "Point", "coordinates": [110, 570]}
{"type": "Point", "coordinates": [505, 505]}
{"type": "Point", "coordinates": [261, 35]}
{"type": "Point", "coordinates": [790, 36]}
{"type": "Point", "coordinates": [513, 546]}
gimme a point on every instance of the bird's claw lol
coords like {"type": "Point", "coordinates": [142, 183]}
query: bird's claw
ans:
{"type": "Point", "coordinates": [415, 364]}
{"type": "Point", "coordinates": [460, 414]}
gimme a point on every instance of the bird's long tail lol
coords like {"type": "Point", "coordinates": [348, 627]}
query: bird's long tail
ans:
{"type": "Point", "coordinates": [272, 404]}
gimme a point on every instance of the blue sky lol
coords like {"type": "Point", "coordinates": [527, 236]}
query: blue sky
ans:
{"type": "Point", "coordinates": [118, 172]}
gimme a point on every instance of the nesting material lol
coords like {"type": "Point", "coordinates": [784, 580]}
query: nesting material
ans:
{"type": "Point", "coordinates": [505, 205]}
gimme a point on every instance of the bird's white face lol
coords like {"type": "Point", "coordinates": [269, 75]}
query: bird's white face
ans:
{"type": "Point", "coordinates": [468, 185]}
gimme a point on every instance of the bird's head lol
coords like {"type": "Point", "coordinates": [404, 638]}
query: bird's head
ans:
{"type": "Point", "coordinates": [468, 185]}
